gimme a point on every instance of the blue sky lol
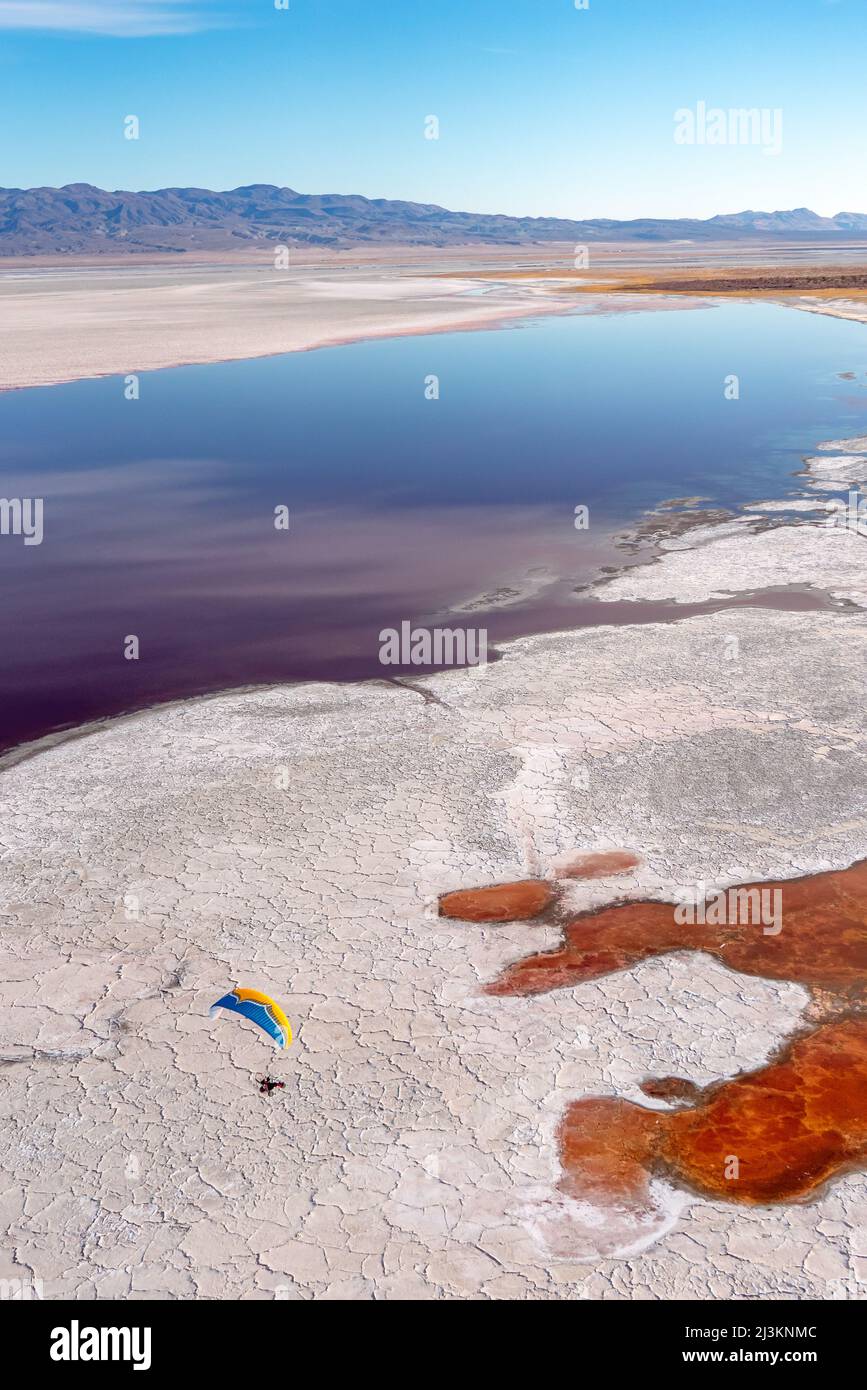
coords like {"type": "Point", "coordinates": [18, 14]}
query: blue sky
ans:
{"type": "Point", "coordinates": [543, 108]}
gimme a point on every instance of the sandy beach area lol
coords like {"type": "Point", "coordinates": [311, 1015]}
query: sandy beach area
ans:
{"type": "Point", "coordinates": [297, 839]}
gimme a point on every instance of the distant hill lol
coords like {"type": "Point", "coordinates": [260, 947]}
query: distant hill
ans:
{"type": "Point", "coordinates": [82, 219]}
{"type": "Point", "coordinates": [799, 220]}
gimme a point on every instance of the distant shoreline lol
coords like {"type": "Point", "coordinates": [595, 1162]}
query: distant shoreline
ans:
{"type": "Point", "coordinates": [81, 318]}
{"type": "Point", "coordinates": [62, 327]}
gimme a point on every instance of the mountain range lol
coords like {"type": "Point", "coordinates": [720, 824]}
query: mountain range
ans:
{"type": "Point", "coordinates": [82, 219]}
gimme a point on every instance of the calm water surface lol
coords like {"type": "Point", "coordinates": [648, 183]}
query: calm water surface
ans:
{"type": "Point", "coordinates": [159, 513]}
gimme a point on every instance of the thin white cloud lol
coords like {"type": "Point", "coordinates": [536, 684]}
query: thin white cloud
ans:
{"type": "Point", "coordinates": [113, 18]}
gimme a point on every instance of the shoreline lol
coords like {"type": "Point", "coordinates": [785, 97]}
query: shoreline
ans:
{"type": "Point", "coordinates": [608, 599]}
{"type": "Point", "coordinates": [479, 322]}
{"type": "Point", "coordinates": [88, 321]}
{"type": "Point", "coordinates": [61, 329]}
{"type": "Point", "coordinates": [572, 609]}
{"type": "Point", "coordinates": [794, 598]}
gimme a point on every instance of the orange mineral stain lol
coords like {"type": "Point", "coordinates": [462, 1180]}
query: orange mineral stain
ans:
{"type": "Point", "coordinates": [504, 902]}
{"type": "Point", "coordinates": [602, 864]}
{"type": "Point", "coordinates": [821, 940]}
{"type": "Point", "coordinates": [774, 1135]}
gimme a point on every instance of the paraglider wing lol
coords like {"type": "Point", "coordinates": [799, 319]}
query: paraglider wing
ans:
{"type": "Point", "coordinates": [261, 1010]}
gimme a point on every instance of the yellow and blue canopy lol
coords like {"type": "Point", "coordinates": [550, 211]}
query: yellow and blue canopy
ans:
{"type": "Point", "coordinates": [261, 1010]}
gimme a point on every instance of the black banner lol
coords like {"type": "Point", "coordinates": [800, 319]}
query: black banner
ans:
{"type": "Point", "coordinates": [80, 1339]}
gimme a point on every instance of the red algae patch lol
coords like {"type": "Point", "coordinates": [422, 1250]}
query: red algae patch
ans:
{"type": "Point", "coordinates": [602, 864]}
{"type": "Point", "coordinates": [504, 902]}
{"type": "Point", "coordinates": [777, 1134]}
{"type": "Point", "coordinates": [820, 939]}
{"type": "Point", "coordinates": [773, 1135]}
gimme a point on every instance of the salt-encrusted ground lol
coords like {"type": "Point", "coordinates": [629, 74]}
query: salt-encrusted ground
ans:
{"type": "Point", "coordinates": [296, 839]}
{"type": "Point", "coordinates": [68, 324]}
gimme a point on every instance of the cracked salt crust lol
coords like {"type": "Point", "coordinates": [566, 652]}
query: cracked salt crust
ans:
{"type": "Point", "coordinates": [837, 469]}
{"type": "Point", "coordinates": [794, 504]}
{"type": "Point", "coordinates": [150, 865]}
{"type": "Point", "coordinates": [830, 557]}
